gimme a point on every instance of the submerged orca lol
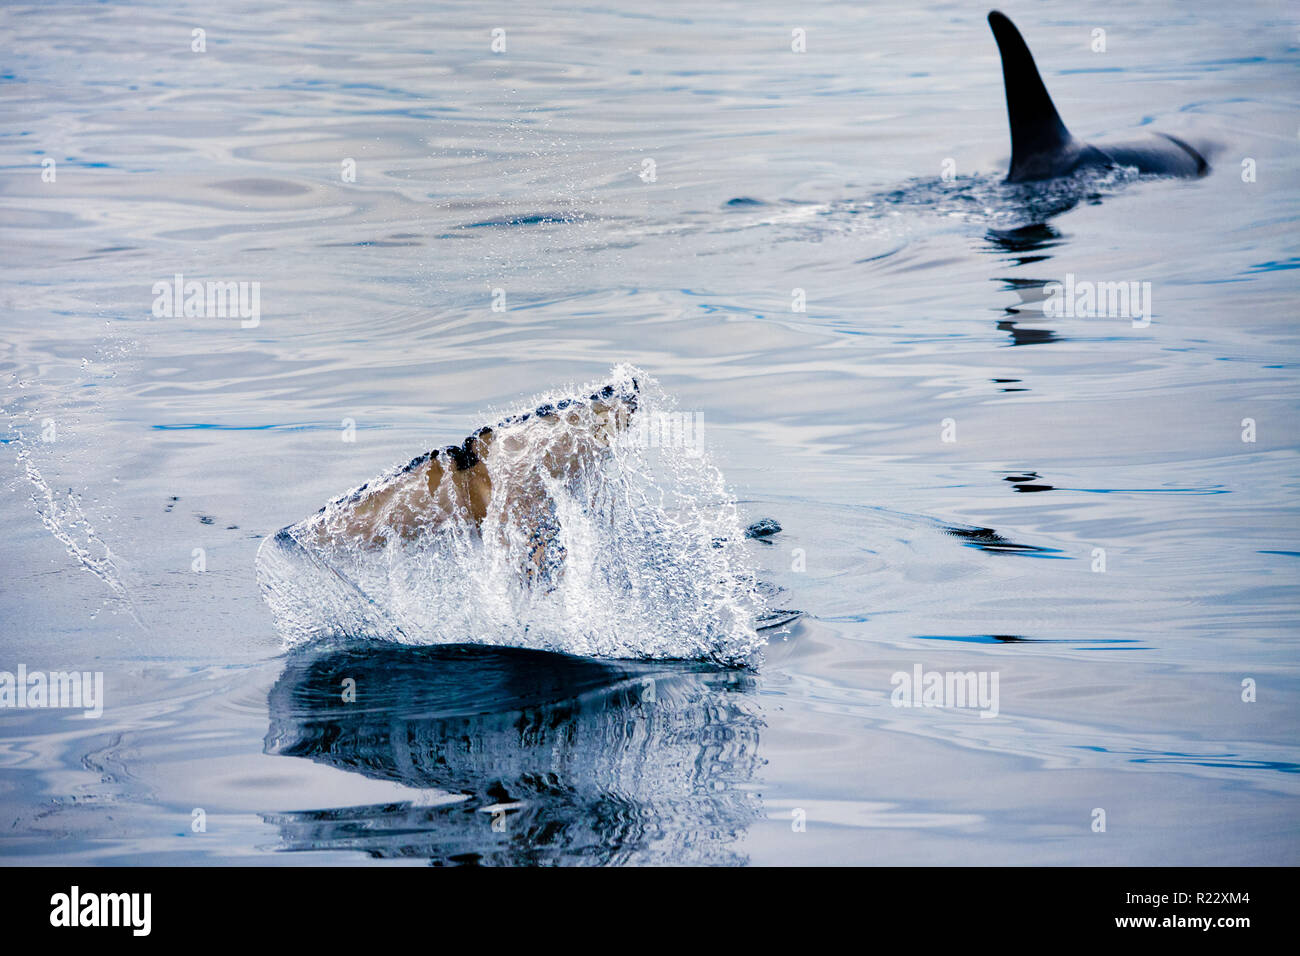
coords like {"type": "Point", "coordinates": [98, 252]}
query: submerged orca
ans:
{"type": "Point", "coordinates": [591, 761]}
{"type": "Point", "coordinates": [1041, 146]}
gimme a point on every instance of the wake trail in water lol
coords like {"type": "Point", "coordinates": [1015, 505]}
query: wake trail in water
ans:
{"type": "Point", "coordinates": [979, 201]}
{"type": "Point", "coordinates": [63, 517]}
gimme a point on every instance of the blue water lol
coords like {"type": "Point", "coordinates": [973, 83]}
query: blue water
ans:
{"type": "Point", "coordinates": [143, 447]}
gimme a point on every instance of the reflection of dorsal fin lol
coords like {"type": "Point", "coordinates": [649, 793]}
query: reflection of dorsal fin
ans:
{"type": "Point", "coordinates": [1036, 128]}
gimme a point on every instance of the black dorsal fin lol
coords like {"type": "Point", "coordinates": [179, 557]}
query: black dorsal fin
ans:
{"type": "Point", "coordinates": [1036, 127]}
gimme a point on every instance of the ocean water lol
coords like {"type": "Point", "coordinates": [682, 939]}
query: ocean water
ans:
{"type": "Point", "coordinates": [813, 254]}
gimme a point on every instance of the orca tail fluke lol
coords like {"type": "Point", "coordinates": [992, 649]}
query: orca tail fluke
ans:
{"type": "Point", "coordinates": [1036, 127]}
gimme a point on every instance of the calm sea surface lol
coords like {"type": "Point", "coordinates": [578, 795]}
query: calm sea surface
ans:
{"type": "Point", "coordinates": [1112, 531]}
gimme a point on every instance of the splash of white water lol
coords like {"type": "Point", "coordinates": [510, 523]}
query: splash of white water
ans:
{"type": "Point", "coordinates": [645, 553]}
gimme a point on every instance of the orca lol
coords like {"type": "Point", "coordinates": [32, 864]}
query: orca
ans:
{"type": "Point", "coordinates": [521, 488]}
{"type": "Point", "coordinates": [556, 439]}
{"type": "Point", "coordinates": [1042, 147]}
